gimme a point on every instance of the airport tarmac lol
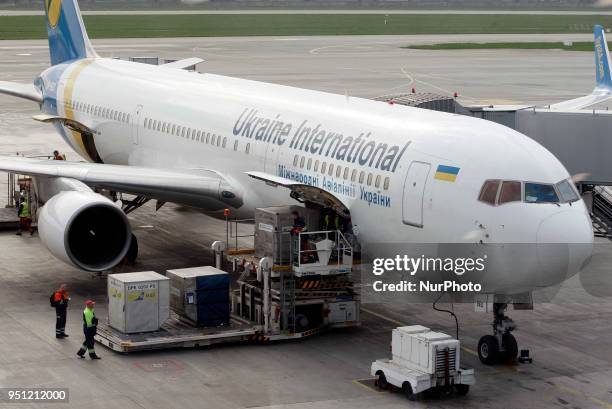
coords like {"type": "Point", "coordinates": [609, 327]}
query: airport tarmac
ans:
{"type": "Point", "coordinates": [569, 337]}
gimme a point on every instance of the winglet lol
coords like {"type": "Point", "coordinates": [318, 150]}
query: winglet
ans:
{"type": "Point", "coordinates": [603, 77]}
{"type": "Point", "coordinates": [184, 64]}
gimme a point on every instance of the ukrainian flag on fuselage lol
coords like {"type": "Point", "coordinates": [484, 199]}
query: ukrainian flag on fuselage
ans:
{"type": "Point", "coordinates": [68, 39]}
{"type": "Point", "coordinates": [446, 173]}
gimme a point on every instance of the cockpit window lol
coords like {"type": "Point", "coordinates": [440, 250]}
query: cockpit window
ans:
{"type": "Point", "coordinates": [566, 191]}
{"type": "Point", "coordinates": [488, 193]}
{"type": "Point", "coordinates": [540, 193]}
{"type": "Point", "coordinates": [510, 192]}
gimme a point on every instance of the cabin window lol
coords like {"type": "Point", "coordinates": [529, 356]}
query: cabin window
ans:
{"type": "Point", "coordinates": [295, 160]}
{"type": "Point", "coordinates": [323, 167]}
{"type": "Point", "coordinates": [488, 193]}
{"type": "Point", "coordinates": [338, 171]}
{"type": "Point", "coordinates": [353, 175]}
{"type": "Point", "coordinates": [331, 169]}
{"type": "Point", "coordinates": [208, 137]}
{"type": "Point", "coordinates": [510, 192]}
{"type": "Point", "coordinates": [159, 125]}
{"type": "Point", "coordinates": [386, 183]}
{"type": "Point", "coordinates": [369, 179]}
{"type": "Point", "coordinates": [361, 176]}
{"type": "Point", "coordinates": [316, 166]}
{"type": "Point", "coordinates": [302, 162]}
{"type": "Point", "coordinates": [236, 145]}
{"type": "Point", "coordinates": [224, 141]}
{"type": "Point", "coordinates": [248, 147]}
{"type": "Point", "coordinates": [309, 163]}
{"type": "Point", "coordinates": [346, 173]}
{"type": "Point", "coordinates": [377, 181]}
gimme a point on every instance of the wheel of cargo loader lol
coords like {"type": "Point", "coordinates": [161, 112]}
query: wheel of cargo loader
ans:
{"type": "Point", "coordinates": [462, 390]}
{"type": "Point", "coordinates": [301, 323]}
{"type": "Point", "coordinates": [409, 393]}
{"type": "Point", "coordinates": [381, 381]}
{"type": "Point", "coordinates": [132, 252]}
{"type": "Point", "coordinates": [488, 350]}
{"type": "Point", "coordinates": [510, 347]}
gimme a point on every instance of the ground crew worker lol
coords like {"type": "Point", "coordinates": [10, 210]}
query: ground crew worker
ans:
{"type": "Point", "coordinates": [60, 301]}
{"type": "Point", "coordinates": [23, 211]}
{"type": "Point", "coordinates": [298, 223]}
{"type": "Point", "coordinates": [90, 323]}
{"type": "Point", "coordinates": [57, 156]}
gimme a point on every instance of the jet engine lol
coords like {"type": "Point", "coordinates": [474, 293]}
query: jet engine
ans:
{"type": "Point", "coordinates": [84, 229]}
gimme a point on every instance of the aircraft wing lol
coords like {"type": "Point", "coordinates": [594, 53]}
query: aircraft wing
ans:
{"type": "Point", "coordinates": [603, 77]}
{"type": "Point", "coordinates": [16, 89]}
{"type": "Point", "coordinates": [598, 95]}
{"type": "Point", "coordinates": [185, 63]}
{"type": "Point", "coordinates": [184, 186]}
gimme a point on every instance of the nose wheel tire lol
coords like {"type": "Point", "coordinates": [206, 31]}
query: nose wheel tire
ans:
{"type": "Point", "coordinates": [488, 350]}
{"type": "Point", "coordinates": [510, 347]}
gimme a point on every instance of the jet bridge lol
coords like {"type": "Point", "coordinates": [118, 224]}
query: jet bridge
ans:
{"type": "Point", "coordinates": [580, 139]}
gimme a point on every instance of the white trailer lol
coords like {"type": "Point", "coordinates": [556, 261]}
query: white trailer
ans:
{"type": "Point", "coordinates": [423, 360]}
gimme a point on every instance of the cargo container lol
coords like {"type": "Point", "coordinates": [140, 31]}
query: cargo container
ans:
{"type": "Point", "coordinates": [201, 294]}
{"type": "Point", "coordinates": [138, 302]}
{"type": "Point", "coordinates": [273, 226]}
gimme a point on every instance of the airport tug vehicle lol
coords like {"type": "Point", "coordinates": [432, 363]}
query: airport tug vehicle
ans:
{"type": "Point", "coordinates": [423, 360]}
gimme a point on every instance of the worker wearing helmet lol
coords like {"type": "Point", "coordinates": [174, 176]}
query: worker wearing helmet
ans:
{"type": "Point", "coordinates": [90, 323]}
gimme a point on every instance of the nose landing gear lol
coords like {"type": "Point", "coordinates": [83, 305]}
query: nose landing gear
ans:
{"type": "Point", "coordinates": [501, 346]}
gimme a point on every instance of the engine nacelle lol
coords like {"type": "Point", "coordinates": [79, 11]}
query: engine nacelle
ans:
{"type": "Point", "coordinates": [85, 229]}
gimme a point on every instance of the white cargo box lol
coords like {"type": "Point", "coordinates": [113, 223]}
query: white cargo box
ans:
{"type": "Point", "coordinates": [419, 348]}
{"type": "Point", "coordinates": [343, 311]}
{"type": "Point", "coordinates": [138, 302]}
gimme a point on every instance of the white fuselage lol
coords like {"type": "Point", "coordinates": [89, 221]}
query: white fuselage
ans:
{"type": "Point", "coordinates": [167, 118]}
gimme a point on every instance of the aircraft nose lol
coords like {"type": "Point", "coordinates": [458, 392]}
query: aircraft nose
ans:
{"type": "Point", "coordinates": [564, 243]}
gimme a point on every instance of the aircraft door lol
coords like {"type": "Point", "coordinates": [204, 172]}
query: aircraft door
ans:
{"type": "Point", "coordinates": [135, 125]}
{"type": "Point", "coordinates": [414, 191]}
{"type": "Point", "coordinates": [272, 155]}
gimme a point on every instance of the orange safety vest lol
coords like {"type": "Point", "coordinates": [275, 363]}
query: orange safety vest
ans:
{"type": "Point", "coordinates": [60, 296]}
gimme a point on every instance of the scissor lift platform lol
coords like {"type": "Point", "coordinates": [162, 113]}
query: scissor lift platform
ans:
{"type": "Point", "coordinates": [176, 333]}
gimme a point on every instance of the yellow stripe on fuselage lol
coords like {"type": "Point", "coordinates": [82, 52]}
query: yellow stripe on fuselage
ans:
{"type": "Point", "coordinates": [68, 90]}
{"type": "Point", "coordinates": [449, 177]}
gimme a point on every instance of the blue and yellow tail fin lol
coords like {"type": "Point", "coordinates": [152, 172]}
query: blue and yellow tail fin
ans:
{"type": "Point", "coordinates": [68, 39]}
{"type": "Point", "coordinates": [603, 77]}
